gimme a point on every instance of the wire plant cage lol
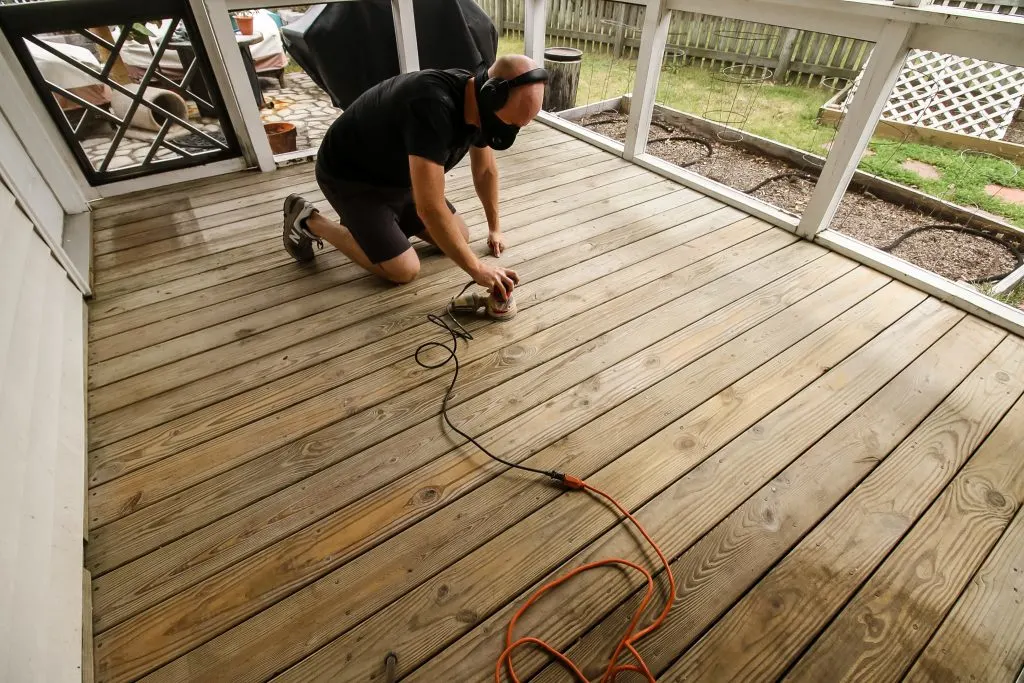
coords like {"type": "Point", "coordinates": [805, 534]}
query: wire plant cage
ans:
{"type": "Point", "coordinates": [735, 89]}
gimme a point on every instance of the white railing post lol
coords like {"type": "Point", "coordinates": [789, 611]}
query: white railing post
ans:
{"type": "Point", "coordinates": [858, 126]}
{"type": "Point", "coordinates": [648, 68]}
{"type": "Point", "coordinates": [534, 27]}
{"type": "Point", "coordinates": [405, 35]}
{"type": "Point", "coordinates": [229, 71]}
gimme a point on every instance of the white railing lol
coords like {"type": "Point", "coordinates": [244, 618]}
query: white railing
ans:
{"type": "Point", "coordinates": [895, 30]}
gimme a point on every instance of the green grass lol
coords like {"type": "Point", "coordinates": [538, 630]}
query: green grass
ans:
{"type": "Point", "coordinates": [963, 176]}
{"type": "Point", "coordinates": [788, 114]}
{"type": "Point", "coordinates": [1015, 297]}
{"type": "Point", "coordinates": [510, 45]}
{"type": "Point", "coordinates": [783, 113]}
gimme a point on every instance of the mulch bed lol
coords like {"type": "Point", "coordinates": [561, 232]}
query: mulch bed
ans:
{"type": "Point", "coordinates": [955, 255]}
{"type": "Point", "coordinates": [1015, 133]}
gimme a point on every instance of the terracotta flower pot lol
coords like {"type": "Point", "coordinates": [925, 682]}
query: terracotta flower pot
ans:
{"type": "Point", "coordinates": [245, 25]}
{"type": "Point", "coordinates": [282, 137]}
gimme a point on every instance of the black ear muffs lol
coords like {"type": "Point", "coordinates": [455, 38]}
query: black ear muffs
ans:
{"type": "Point", "coordinates": [494, 92]}
{"type": "Point", "coordinates": [491, 95]}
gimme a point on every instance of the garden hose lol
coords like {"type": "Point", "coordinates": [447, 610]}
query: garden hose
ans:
{"type": "Point", "coordinates": [970, 231]}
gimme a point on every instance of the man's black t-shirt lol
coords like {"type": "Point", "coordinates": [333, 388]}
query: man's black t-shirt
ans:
{"type": "Point", "coordinates": [418, 114]}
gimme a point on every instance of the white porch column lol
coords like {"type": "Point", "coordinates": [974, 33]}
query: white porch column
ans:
{"type": "Point", "coordinates": [648, 68]}
{"type": "Point", "coordinates": [534, 25]}
{"type": "Point", "coordinates": [229, 72]}
{"type": "Point", "coordinates": [405, 35]}
{"type": "Point", "coordinates": [858, 125]}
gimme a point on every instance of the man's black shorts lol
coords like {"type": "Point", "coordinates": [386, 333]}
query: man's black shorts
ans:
{"type": "Point", "coordinates": [381, 219]}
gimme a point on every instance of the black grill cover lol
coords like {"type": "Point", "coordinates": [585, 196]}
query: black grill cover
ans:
{"type": "Point", "coordinates": [348, 47]}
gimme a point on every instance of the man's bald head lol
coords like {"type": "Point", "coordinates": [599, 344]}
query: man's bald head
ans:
{"type": "Point", "coordinates": [525, 101]}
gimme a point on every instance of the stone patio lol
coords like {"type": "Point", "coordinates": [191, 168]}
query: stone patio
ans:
{"type": "Point", "coordinates": [133, 148]}
{"type": "Point", "coordinates": [303, 103]}
{"type": "Point", "coordinates": [300, 102]}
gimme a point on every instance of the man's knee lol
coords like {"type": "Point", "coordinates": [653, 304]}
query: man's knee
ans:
{"type": "Point", "coordinates": [402, 269]}
{"type": "Point", "coordinates": [405, 275]}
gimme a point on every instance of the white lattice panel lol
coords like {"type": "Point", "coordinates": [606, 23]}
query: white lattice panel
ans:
{"type": "Point", "coordinates": [1010, 7]}
{"type": "Point", "coordinates": [954, 94]}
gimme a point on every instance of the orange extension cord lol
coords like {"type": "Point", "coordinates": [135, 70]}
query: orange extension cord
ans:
{"type": "Point", "coordinates": [628, 640]}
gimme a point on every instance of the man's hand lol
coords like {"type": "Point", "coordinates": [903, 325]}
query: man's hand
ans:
{"type": "Point", "coordinates": [495, 242]}
{"type": "Point", "coordinates": [500, 280]}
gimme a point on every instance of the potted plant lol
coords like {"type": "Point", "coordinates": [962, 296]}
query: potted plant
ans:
{"type": "Point", "coordinates": [244, 20]}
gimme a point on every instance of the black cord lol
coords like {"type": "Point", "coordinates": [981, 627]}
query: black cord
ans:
{"type": "Point", "coordinates": [1014, 251]}
{"type": "Point", "coordinates": [799, 175]}
{"type": "Point", "coordinates": [456, 335]}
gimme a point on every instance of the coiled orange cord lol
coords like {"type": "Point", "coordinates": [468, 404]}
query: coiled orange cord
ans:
{"type": "Point", "coordinates": [628, 639]}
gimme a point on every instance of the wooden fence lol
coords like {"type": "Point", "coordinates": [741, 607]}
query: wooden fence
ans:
{"type": "Point", "coordinates": [799, 57]}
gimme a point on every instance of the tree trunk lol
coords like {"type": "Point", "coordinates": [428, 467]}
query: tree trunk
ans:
{"type": "Point", "coordinates": [563, 66]}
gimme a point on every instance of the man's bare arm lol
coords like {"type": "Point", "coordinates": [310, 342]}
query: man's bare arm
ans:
{"type": "Point", "coordinates": [428, 193]}
{"type": "Point", "coordinates": [485, 180]}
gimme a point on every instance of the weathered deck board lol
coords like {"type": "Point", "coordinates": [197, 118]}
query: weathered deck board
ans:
{"type": "Point", "coordinates": [715, 571]}
{"type": "Point", "coordinates": [880, 631]}
{"type": "Point", "coordinates": [273, 495]}
{"type": "Point", "coordinates": [608, 349]}
{"type": "Point", "coordinates": [981, 638]}
{"type": "Point", "coordinates": [644, 477]}
{"type": "Point", "coordinates": [772, 624]}
{"type": "Point", "coordinates": [649, 219]}
{"type": "Point", "coordinates": [503, 348]}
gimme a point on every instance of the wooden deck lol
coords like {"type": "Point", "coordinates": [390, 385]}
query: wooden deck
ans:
{"type": "Point", "coordinates": [831, 459]}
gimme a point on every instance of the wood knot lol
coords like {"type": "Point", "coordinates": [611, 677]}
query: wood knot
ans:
{"type": "Point", "coordinates": [442, 593]}
{"type": "Point", "coordinates": [466, 616]}
{"type": "Point", "coordinates": [875, 626]}
{"type": "Point", "coordinates": [1002, 377]}
{"type": "Point", "coordinates": [428, 495]}
{"type": "Point", "coordinates": [685, 443]}
{"type": "Point", "coordinates": [513, 352]}
{"type": "Point", "coordinates": [652, 362]}
{"type": "Point", "coordinates": [995, 499]}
